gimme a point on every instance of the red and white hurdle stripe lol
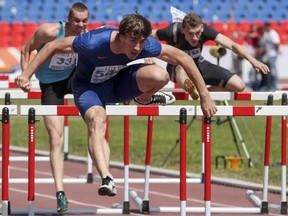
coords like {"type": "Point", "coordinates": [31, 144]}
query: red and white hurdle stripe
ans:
{"type": "Point", "coordinates": [111, 110]}
{"type": "Point", "coordinates": [7, 84]}
{"type": "Point", "coordinates": [248, 111]}
{"type": "Point", "coordinates": [246, 96]}
{"type": "Point", "coordinates": [19, 94]}
{"type": "Point", "coordinates": [135, 110]}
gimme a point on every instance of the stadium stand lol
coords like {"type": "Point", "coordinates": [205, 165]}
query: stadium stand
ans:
{"type": "Point", "coordinates": [20, 18]}
{"type": "Point", "coordinates": [227, 16]}
{"type": "Point", "coordinates": [210, 10]}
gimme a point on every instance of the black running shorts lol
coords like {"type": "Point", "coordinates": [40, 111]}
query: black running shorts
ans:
{"type": "Point", "coordinates": [53, 93]}
{"type": "Point", "coordinates": [212, 74]}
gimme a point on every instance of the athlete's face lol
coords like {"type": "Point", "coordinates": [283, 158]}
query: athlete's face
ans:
{"type": "Point", "coordinates": [192, 35]}
{"type": "Point", "coordinates": [132, 46]}
{"type": "Point", "coordinates": [78, 21]}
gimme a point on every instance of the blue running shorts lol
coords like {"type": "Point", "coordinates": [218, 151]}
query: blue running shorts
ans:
{"type": "Point", "coordinates": [123, 87]}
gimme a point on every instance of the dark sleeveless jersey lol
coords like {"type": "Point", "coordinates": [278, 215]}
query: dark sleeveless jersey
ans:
{"type": "Point", "coordinates": [173, 36]}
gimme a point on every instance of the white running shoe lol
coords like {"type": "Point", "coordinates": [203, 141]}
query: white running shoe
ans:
{"type": "Point", "coordinates": [108, 187]}
{"type": "Point", "coordinates": [159, 98]}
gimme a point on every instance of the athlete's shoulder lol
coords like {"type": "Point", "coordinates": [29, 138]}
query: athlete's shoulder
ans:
{"type": "Point", "coordinates": [100, 34]}
{"type": "Point", "coordinates": [207, 27]}
{"type": "Point", "coordinates": [152, 41]}
{"type": "Point", "coordinates": [92, 40]}
{"type": "Point", "coordinates": [209, 32]}
{"type": "Point", "coordinates": [48, 30]}
{"type": "Point", "coordinates": [152, 48]}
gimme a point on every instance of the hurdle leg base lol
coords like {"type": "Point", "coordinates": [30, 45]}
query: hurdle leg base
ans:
{"type": "Point", "coordinates": [283, 208]}
{"type": "Point", "coordinates": [65, 157]}
{"type": "Point", "coordinates": [264, 208]}
{"type": "Point", "coordinates": [90, 178]}
{"type": "Point", "coordinates": [9, 208]}
{"type": "Point", "coordinates": [5, 208]}
{"type": "Point", "coordinates": [145, 207]}
{"type": "Point", "coordinates": [126, 207]}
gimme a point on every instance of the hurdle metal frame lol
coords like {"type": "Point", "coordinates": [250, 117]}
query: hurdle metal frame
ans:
{"type": "Point", "coordinates": [111, 110]}
{"type": "Point", "coordinates": [155, 110]}
{"type": "Point", "coordinates": [144, 204]}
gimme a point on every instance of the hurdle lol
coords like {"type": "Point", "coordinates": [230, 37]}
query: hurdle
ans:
{"type": "Point", "coordinates": [42, 158]}
{"type": "Point", "coordinates": [143, 204]}
{"type": "Point", "coordinates": [19, 94]}
{"type": "Point", "coordinates": [36, 94]}
{"type": "Point", "coordinates": [6, 112]}
{"type": "Point", "coordinates": [222, 111]}
{"type": "Point", "coordinates": [238, 113]}
{"type": "Point", "coordinates": [261, 111]}
{"type": "Point", "coordinates": [155, 110]}
{"type": "Point", "coordinates": [111, 110]}
{"type": "Point", "coordinates": [282, 208]}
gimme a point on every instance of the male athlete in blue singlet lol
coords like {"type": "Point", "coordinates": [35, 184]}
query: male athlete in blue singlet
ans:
{"type": "Point", "coordinates": [108, 70]}
{"type": "Point", "coordinates": [55, 82]}
{"type": "Point", "coordinates": [102, 76]}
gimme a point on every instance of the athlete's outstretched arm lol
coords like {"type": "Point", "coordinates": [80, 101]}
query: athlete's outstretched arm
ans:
{"type": "Point", "coordinates": [176, 56]}
{"type": "Point", "coordinates": [45, 33]}
{"type": "Point", "coordinates": [240, 51]}
{"type": "Point", "coordinates": [63, 45]}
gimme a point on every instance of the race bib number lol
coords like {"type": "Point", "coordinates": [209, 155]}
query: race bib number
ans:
{"type": "Point", "coordinates": [62, 61]}
{"type": "Point", "coordinates": [195, 53]}
{"type": "Point", "coordinates": [101, 74]}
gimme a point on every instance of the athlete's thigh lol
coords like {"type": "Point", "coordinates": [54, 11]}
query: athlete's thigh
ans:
{"type": "Point", "coordinates": [85, 97]}
{"type": "Point", "coordinates": [51, 94]}
{"type": "Point", "coordinates": [125, 85]}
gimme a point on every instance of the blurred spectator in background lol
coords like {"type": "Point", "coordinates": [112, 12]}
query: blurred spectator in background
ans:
{"type": "Point", "coordinates": [55, 82]}
{"type": "Point", "coordinates": [261, 54]}
{"type": "Point", "coordinates": [189, 36]}
{"type": "Point", "coordinates": [256, 40]}
{"type": "Point", "coordinates": [272, 43]}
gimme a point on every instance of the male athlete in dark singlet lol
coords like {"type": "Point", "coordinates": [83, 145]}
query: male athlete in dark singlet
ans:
{"type": "Point", "coordinates": [189, 36]}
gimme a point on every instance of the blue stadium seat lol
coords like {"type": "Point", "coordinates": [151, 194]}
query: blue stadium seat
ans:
{"type": "Point", "coordinates": [18, 15]}
{"type": "Point", "coordinates": [155, 10]}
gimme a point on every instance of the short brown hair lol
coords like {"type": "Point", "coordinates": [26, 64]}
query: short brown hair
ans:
{"type": "Point", "coordinates": [191, 20]}
{"type": "Point", "coordinates": [136, 25]}
{"type": "Point", "coordinates": [78, 6]}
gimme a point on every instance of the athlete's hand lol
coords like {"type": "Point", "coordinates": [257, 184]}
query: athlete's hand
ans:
{"type": "Point", "coordinates": [208, 106]}
{"type": "Point", "coordinates": [23, 82]}
{"type": "Point", "coordinates": [260, 67]}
